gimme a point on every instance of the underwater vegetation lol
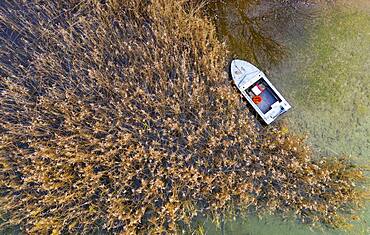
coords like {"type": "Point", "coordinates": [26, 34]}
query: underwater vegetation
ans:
{"type": "Point", "coordinates": [119, 116]}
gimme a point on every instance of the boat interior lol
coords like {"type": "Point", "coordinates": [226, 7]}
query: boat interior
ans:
{"type": "Point", "coordinates": [263, 96]}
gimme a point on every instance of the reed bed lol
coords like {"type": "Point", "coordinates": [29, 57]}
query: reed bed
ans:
{"type": "Point", "coordinates": [119, 116]}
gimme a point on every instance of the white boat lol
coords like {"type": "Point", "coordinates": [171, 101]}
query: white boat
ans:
{"type": "Point", "coordinates": [258, 90]}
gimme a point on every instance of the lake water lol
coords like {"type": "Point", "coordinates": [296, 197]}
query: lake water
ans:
{"type": "Point", "coordinates": [318, 56]}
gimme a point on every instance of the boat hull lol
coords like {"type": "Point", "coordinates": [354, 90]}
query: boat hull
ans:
{"type": "Point", "coordinates": [258, 90]}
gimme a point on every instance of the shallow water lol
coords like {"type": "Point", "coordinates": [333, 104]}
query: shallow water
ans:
{"type": "Point", "coordinates": [327, 81]}
{"type": "Point", "coordinates": [318, 56]}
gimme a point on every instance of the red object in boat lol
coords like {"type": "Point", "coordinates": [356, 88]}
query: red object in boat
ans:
{"type": "Point", "coordinates": [257, 99]}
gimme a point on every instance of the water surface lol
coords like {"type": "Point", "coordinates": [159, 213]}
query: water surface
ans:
{"type": "Point", "coordinates": [318, 56]}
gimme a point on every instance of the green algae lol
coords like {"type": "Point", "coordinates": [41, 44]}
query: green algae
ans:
{"type": "Point", "coordinates": [332, 101]}
{"type": "Point", "coordinates": [338, 75]}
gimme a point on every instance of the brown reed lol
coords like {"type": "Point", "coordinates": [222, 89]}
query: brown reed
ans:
{"type": "Point", "coordinates": [118, 115]}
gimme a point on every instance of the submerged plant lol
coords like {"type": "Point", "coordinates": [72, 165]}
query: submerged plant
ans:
{"type": "Point", "coordinates": [117, 115]}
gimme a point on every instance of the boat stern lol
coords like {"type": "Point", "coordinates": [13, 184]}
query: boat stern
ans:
{"type": "Point", "coordinates": [276, 110]}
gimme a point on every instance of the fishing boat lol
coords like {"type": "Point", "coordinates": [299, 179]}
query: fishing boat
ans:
{"type": "Point", "coordinates": [258, 90]}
